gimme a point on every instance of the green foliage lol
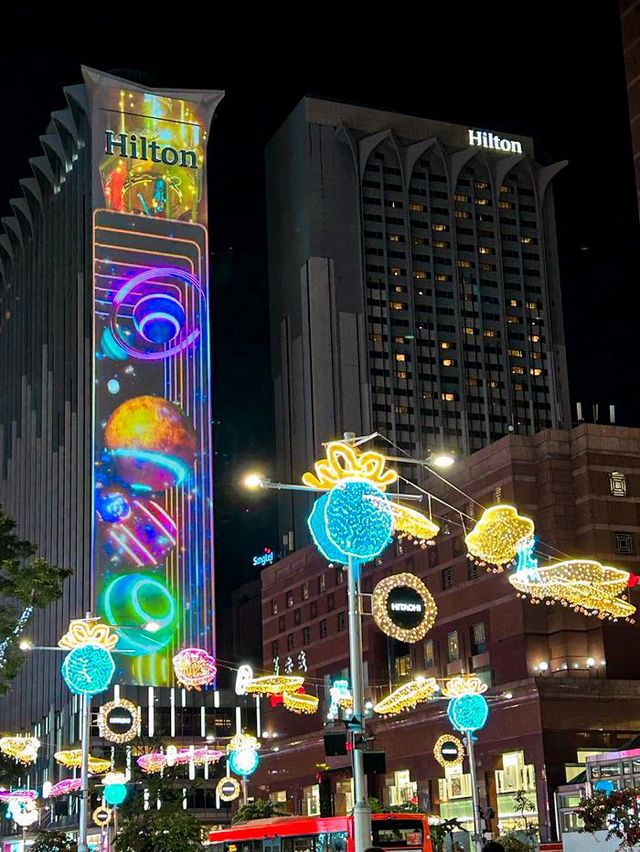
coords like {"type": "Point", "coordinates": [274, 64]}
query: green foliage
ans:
{"type": "Point", "coordinates": [616, 812]}
{"type": "Point", "coordinates": [513, 843]}
{"type": "Point", "coordinates": [442, 829]}
{"type": "Point", "coordinates": [26, 579]}
{"type": "Point", "coordinates": [374, 804]}
{"type": "Point", "coordinates": [166, 830]}
{"type": "Point", "coordinates": [258, 809]}
{"type": "Point", "coordinates": [53, 841]}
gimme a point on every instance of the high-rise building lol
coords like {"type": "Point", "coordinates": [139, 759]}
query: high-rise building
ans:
{"type": "Point", "coordinates": [630, 21]}
{"type": "Point", "coordinates": [105, 421]}
{"type": "Point", "coordinates": [414, 286]}
{"type": "Point", "coordinates": [561, 684]}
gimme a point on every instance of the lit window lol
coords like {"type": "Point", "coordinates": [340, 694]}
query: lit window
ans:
{"type": "Point", "coordinates": [340, 573]}
{"type": "Point", "coordinates": [478, 638]}
{"type": "Point", "coordinates": [398, 339]}
{"type": "Point", "coordinates": [469, 330]}
{"type": "Point", "coordinates": [518, 386]}
{"type": "Point", "coordinates": [305, 591]}
{"type": "Point", "coordinates": [440, 244]}
{"type": "Point", "coordinates": [420, 292]}
{"type": "Point", "coordinates": [419, 241]}
{"type": "Point", "coordinates": [533, 306]}
{"type": "Point", "coordinates": [461, 214]}
{"type": "Point", "coordinates": [429, 656]}
{"type": "Point", "coordinates": [441, 277]}
{"type": "Point", "coordinates": [482, 202]}
{"type": "Point", "coordinates": [396, 306]}
{"type": "Point", "coordinates": [445, 345]}
{"type": "Point", "coordinates": [274, 607]}
{"type": "Point", "coordinates": [505, 188]}
{"type": "Point", "coordinates": [618, 484]}
{"type": "Point", "coordinates": [517, 371]}
{"type": "Point", "coordinates": [516, 353]}
{"type": "Point", "coordinates": [403, 666]}
{"type": "Point", "coordinates": [512, 320]}
{"type": "Point", "coordinates": [534, 338]}
{"type": "Point", "coordinates": [481, 184]}
{"type": "Point", "coordinates": [535, 371]}
{"type": "Point", "coordinates": [400, 374]}
{"type": "Point", "coordinates": [485, 250]}
{"type": "Point", "coordinates": [419, 273]}
{"type": "Point", "coordinates": [394, 270]}
{"type": "Point", "coordinates": [537, 356]}
{"type": "Point", "coordinates": [399, 289]}
{"type": "Point", "coordinates": [289, 599]}
{"type": "Point", "coordinates": [400, 356]}
{"type": "Point", "coordinates": [460, 197]}
{"type": "Point", "coordinates": [526, 240]}
{"type": "Point", "coordinates": [513, 303]}
{"type": "Point", "coordinates": [401, 409]}
{"type": "Point", "coordinates": [493, 384]}
{"type": "Point", "coordinates": [506, 205]}
{"type": "Point", "coordinates": [322, 583]}
{"type": "Point", "coordinates": [489, 332]}
{"type": "Point", "coordinates": [447, 396]}
{"type": "Point", "coordinates": [438, 226]}
{"type": "Point", "coordinates": [464, 264]}
{"type": "Point", "coordinates": [395, 238]}
{"type": "Point", "coordinates": [624, 544]}
{"type": "Point", "coordinates": [453, 646]}
{"type": "Point", "coordinates": [416, 208]}
{"type": "Point", "coordinates": [448, 362]}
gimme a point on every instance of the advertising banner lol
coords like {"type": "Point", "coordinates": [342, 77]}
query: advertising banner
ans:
{"type": "Point", "coordinates": [153, 566]}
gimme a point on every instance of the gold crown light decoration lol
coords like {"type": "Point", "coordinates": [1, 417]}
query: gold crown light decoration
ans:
{"type": "Point", "coordinates": [23, 749]}
{"type": "Point", "coordinates": [447, 763]}
{"type": "Point", "coordinates": [300, 702]}
{"type": "Point", "coordinates": [72, 758]}
{"type": "Point", "coordinates": [407, 696]}
{"type": "Point", "coordinates": [493, 542]}
{"type": "Point", "coordinates": [88, 631]}
{"type": "Point", "coordinates": [460, 685]}
{"type": "Point", "coordinates": [240, 741]}
{"type": "Point", "coordinates": [584, 585]}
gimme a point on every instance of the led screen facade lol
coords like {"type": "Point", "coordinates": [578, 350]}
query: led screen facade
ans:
{"type": "Point", "coordinates": [153, 577]}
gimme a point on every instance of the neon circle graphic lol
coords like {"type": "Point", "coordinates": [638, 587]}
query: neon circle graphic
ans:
{"type": "Point", "coordinates": [88, 669]}
{"type": "Point", "coordinates": [145, 607]}
{"type": "Point", "coordinates": [143, 277]}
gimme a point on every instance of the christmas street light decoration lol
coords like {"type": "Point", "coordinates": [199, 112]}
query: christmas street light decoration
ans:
{"type": "Point", "coordinates": [72, 758]}
{"type": "Point", "coordinates": [407, 620]}
{"type": "Point", "coordinates": [344, 461]}
{"type": "Point", "coordinates": [107, 716]}
{"type": "Point", "coordinates": [157, 761]}
{"type": "Point", "coordinates": [227, 789]}
{"type": "Point", "coordinates": [21, 806]}
{"type": "Point", "coordinates": [243, 754]}
{"type": "Point", "coordinates": [448, 740]}
{"type": "Point", "coordinates": [23, 749]}
{"type": "Point", "coordinates": [88, 667]}
{"type": "Point", "coordinates": [194, 668]}
{"type": "Point", "coordinates": [407, 696]}
{"type": "Point", "coordinates": [64, 787]}
{"type": "Point", "coordinates": [341, 697]}
{"type": "Point", "coordinates": [300, 702]}
{"type": "Point", "coordinates": [584, 585]}
{"type": "Point", "coordinates": [467, 710]}
{"type": "Point", "coordinates": [274, 684]}
{"type": "Point", "coordinates": [494, 540]}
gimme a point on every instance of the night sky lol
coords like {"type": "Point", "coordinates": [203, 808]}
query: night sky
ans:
{"type": "Point", "coordinates": [549, 70]}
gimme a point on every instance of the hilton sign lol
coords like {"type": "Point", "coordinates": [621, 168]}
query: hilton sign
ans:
{"type": "Point", "coordinates": [134, 147]}
{"type": "Point", "coordinates": [484, 139]}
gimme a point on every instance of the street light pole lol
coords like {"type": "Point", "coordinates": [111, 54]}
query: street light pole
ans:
{"type": "Point", "coordinates": [85, 717]}
{"type": "Point", "coordinates": [477, 826]}
{"type": "Point", "coordinates": [362, 809]}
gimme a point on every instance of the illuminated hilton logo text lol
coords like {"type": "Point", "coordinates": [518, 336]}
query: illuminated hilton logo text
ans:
{"type": "Point", "coordinates": [140, 148]}
{"type": "Point", "coordinates": [484, 139]}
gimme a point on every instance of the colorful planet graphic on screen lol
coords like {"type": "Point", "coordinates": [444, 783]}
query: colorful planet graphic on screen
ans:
{"type": "Point", "coordinates": [145, 608]}
{"type": "Point", "coordinates": [151, 442]}
{"type": "Point", "coordinates": [137, 532]}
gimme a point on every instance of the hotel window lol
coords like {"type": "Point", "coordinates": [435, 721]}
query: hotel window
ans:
{"type": "Point", "coordinates": [489, 332]}
{"type": "Point", "coordinates": [394, 270]}
{"type": "Point", "coordinates": [403, 666]}
{"type": "Point", "coordinates": [445, 345]}
{"type": "Point", "coordinates": [275, 649]}
{"type": "Point", "coordinates": [395, 238]}
{"type": "Point", "coordinates": [447, 577]}
{"type": "Point", "coordinates": [461, 214]}
{"type": "Point", "coordinates": [341, 621]}
{"type": "Point", "coordinates": [512, 320]}
{"type": "Point", "coordinates": [443, 277]}
{"type": "Point", "coordinates": [516, 353]}
{"type": "Point", "coordinates": [438, 226]}
{"type": "Point", "coordinates": [289, 599]}
{"type": "Point", "coordinates": [460, 197]}
{"type": "Point", "coordinates": [469, 330]}
{"type": "Point", "coordinates": [397, 306]}
{"type": "Point", "coordinates": [416, 208]}
{"type": "Point", "coordinates": [464, 264]}
{"type": "Point", "coordinates": [290, 642]}
{"type": "Point", "coordinates": [419, 241]}
{"type": "Point", "coordinates": [282, 624]}
{"type": "Point", "coordinates": [624, 544]}
{"type": "Point", "coordinates": [322, 583]}
{"type": "Point", "coordinates": [399, 289]}
{"type": "Point", "coordinates": [517, 371]}
{"type": "Point", "coordinates": [518, 386]}
{"type": "Point", "coordinates": [526, 240]}
{"type": "Point", "coordinates": [400, 356]}
{"type": "Point", "coordinates": [473, 571]}
{"type": "Point", "coordinates": [514, 303]}
{"type": "Point", "coordinates": [535, 371]}
{"type": "Point", "coordinates": [323, 628]}
{"type": "Point", "coordinates": [485, 250]}
{"type": "Point", "coordinates": [400, 374]}
{"type": "Point", "coordinates": [305, 591]}
{"type": "Point", "coordinates": [481, 184]}
{"type": "Point", "coordinates": [478, 638]}
{"type": "Point", "coordinates": [419, 273]}
{"type": "Point", "coordinates": [440, 244]}
{"type": "Point", "coordinates": [331, 601]}
{"type": "Point", "coordinates": [506, 205]}
{"type": "Point", "coordinates": [339, 575]}
{"type": "Point", "coordinates": [482, 202]}
{"type": "Point", "coordinates": [453, 647]}
{"type": "Point", "coordinates": [297, 616]}
{"type": "Point", "coordinates": [533, 306]}
{"type": "Point", "coordinates": [306, 635]}
{"type": "Point", "coordinates": [617, 484]}
{"type": "Point", "coordinates": [274, 607]}
{"type": "Point", "coordinates": [534, 338]}
{"type": "Point", "coordinates": [429, 655]}
{"type": "Point", "coordinates": [505, 188]}
{"type": "Point", "coordinates": [447, 396]}
{"type": "Point", "coordinates": [448, 362]}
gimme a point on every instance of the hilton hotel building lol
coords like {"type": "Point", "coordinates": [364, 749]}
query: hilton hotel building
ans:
{"type": "Point", "coordinates": [414, 287]}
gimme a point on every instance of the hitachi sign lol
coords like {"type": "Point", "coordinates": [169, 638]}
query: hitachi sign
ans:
{"type": "Point", "coordinates": [140, 148]}
{"type": "Point", "coordinates": [484, 139]}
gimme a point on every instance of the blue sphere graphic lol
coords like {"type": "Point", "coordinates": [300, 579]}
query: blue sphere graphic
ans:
{"type": "Point", "coordinates": [244, 761]}
{"type": "Point", "coordinates": [468, 712]}
{"type": "Point", "coordinates": [88, 669]}
{"type": "Point", "coordinates": [158, 318]}
{"type": "Point", "coordinates": [115, 794]}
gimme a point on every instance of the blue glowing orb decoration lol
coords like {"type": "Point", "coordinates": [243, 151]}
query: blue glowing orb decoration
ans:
{"type": "Point", "coordinates": [113, 386]}
{"type": "Point", "coordinates": [112, 505]}
{"type": "Point", "coordinates": [115, 794]}
{"type": "Point", "coordinates": [354, 520]}
{"type": "Point", "coordinates": [88, 669]}
{"type": "Point", "coordinates": [468, 712]}
{"type": "Point", "coordinates": [244, 761]}
{"type": "Point", "coordinates": [158, 318]}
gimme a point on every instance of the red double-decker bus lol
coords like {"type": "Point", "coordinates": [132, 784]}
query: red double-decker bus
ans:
{"type": "Point", "coordinates": [393, 832]}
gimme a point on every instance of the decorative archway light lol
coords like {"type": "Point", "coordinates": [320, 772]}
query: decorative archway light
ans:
{"type": "Point", "coordinates": [584, 585]}
{"type": "Point", "coordinates": [72, 758]}
{"type": "Point", "coordinates": [355, 519]}
{"type": "Point", "coordinates": [23, 749]}
{"type": "Point", "coordinates": [405, 620]}
{"type": "Point", "coordinates": [407, 696]}
{"type": "Point", "coordinates": [493, 542]}
{"type": "Point", "coordinates": [194, 668]}
{"type": "Point", "coordinates": [447, 741]}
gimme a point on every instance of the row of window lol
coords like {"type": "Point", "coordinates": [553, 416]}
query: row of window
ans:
{"type": "Point", "coordinates": [323, 632]}
{"type": "Point", "coordinates": [477, 639]}
{"type": "Point", "coordinates": [290, 596]}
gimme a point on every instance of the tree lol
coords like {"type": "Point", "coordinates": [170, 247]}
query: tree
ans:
{"type": "Point", "coordinates": [30, 581]}
{"type": "Point", "coordinates": [616, 812]}
{"type": "Point", "coordinates": [442, 829]}
{"type": "Point", "coordinates": [166, 830]}
{"type": "Point", "coordinates": [258, 809]}
{"type": "Point", "coordinates": [53, 841]}
{"type": "Point", "coordinates": [525, 838]}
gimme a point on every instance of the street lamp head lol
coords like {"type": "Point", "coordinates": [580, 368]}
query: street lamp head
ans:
{"type": "Point", "coordinates": [442, 459]}
{"type": "Point", "coordinates": [253, 481]}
